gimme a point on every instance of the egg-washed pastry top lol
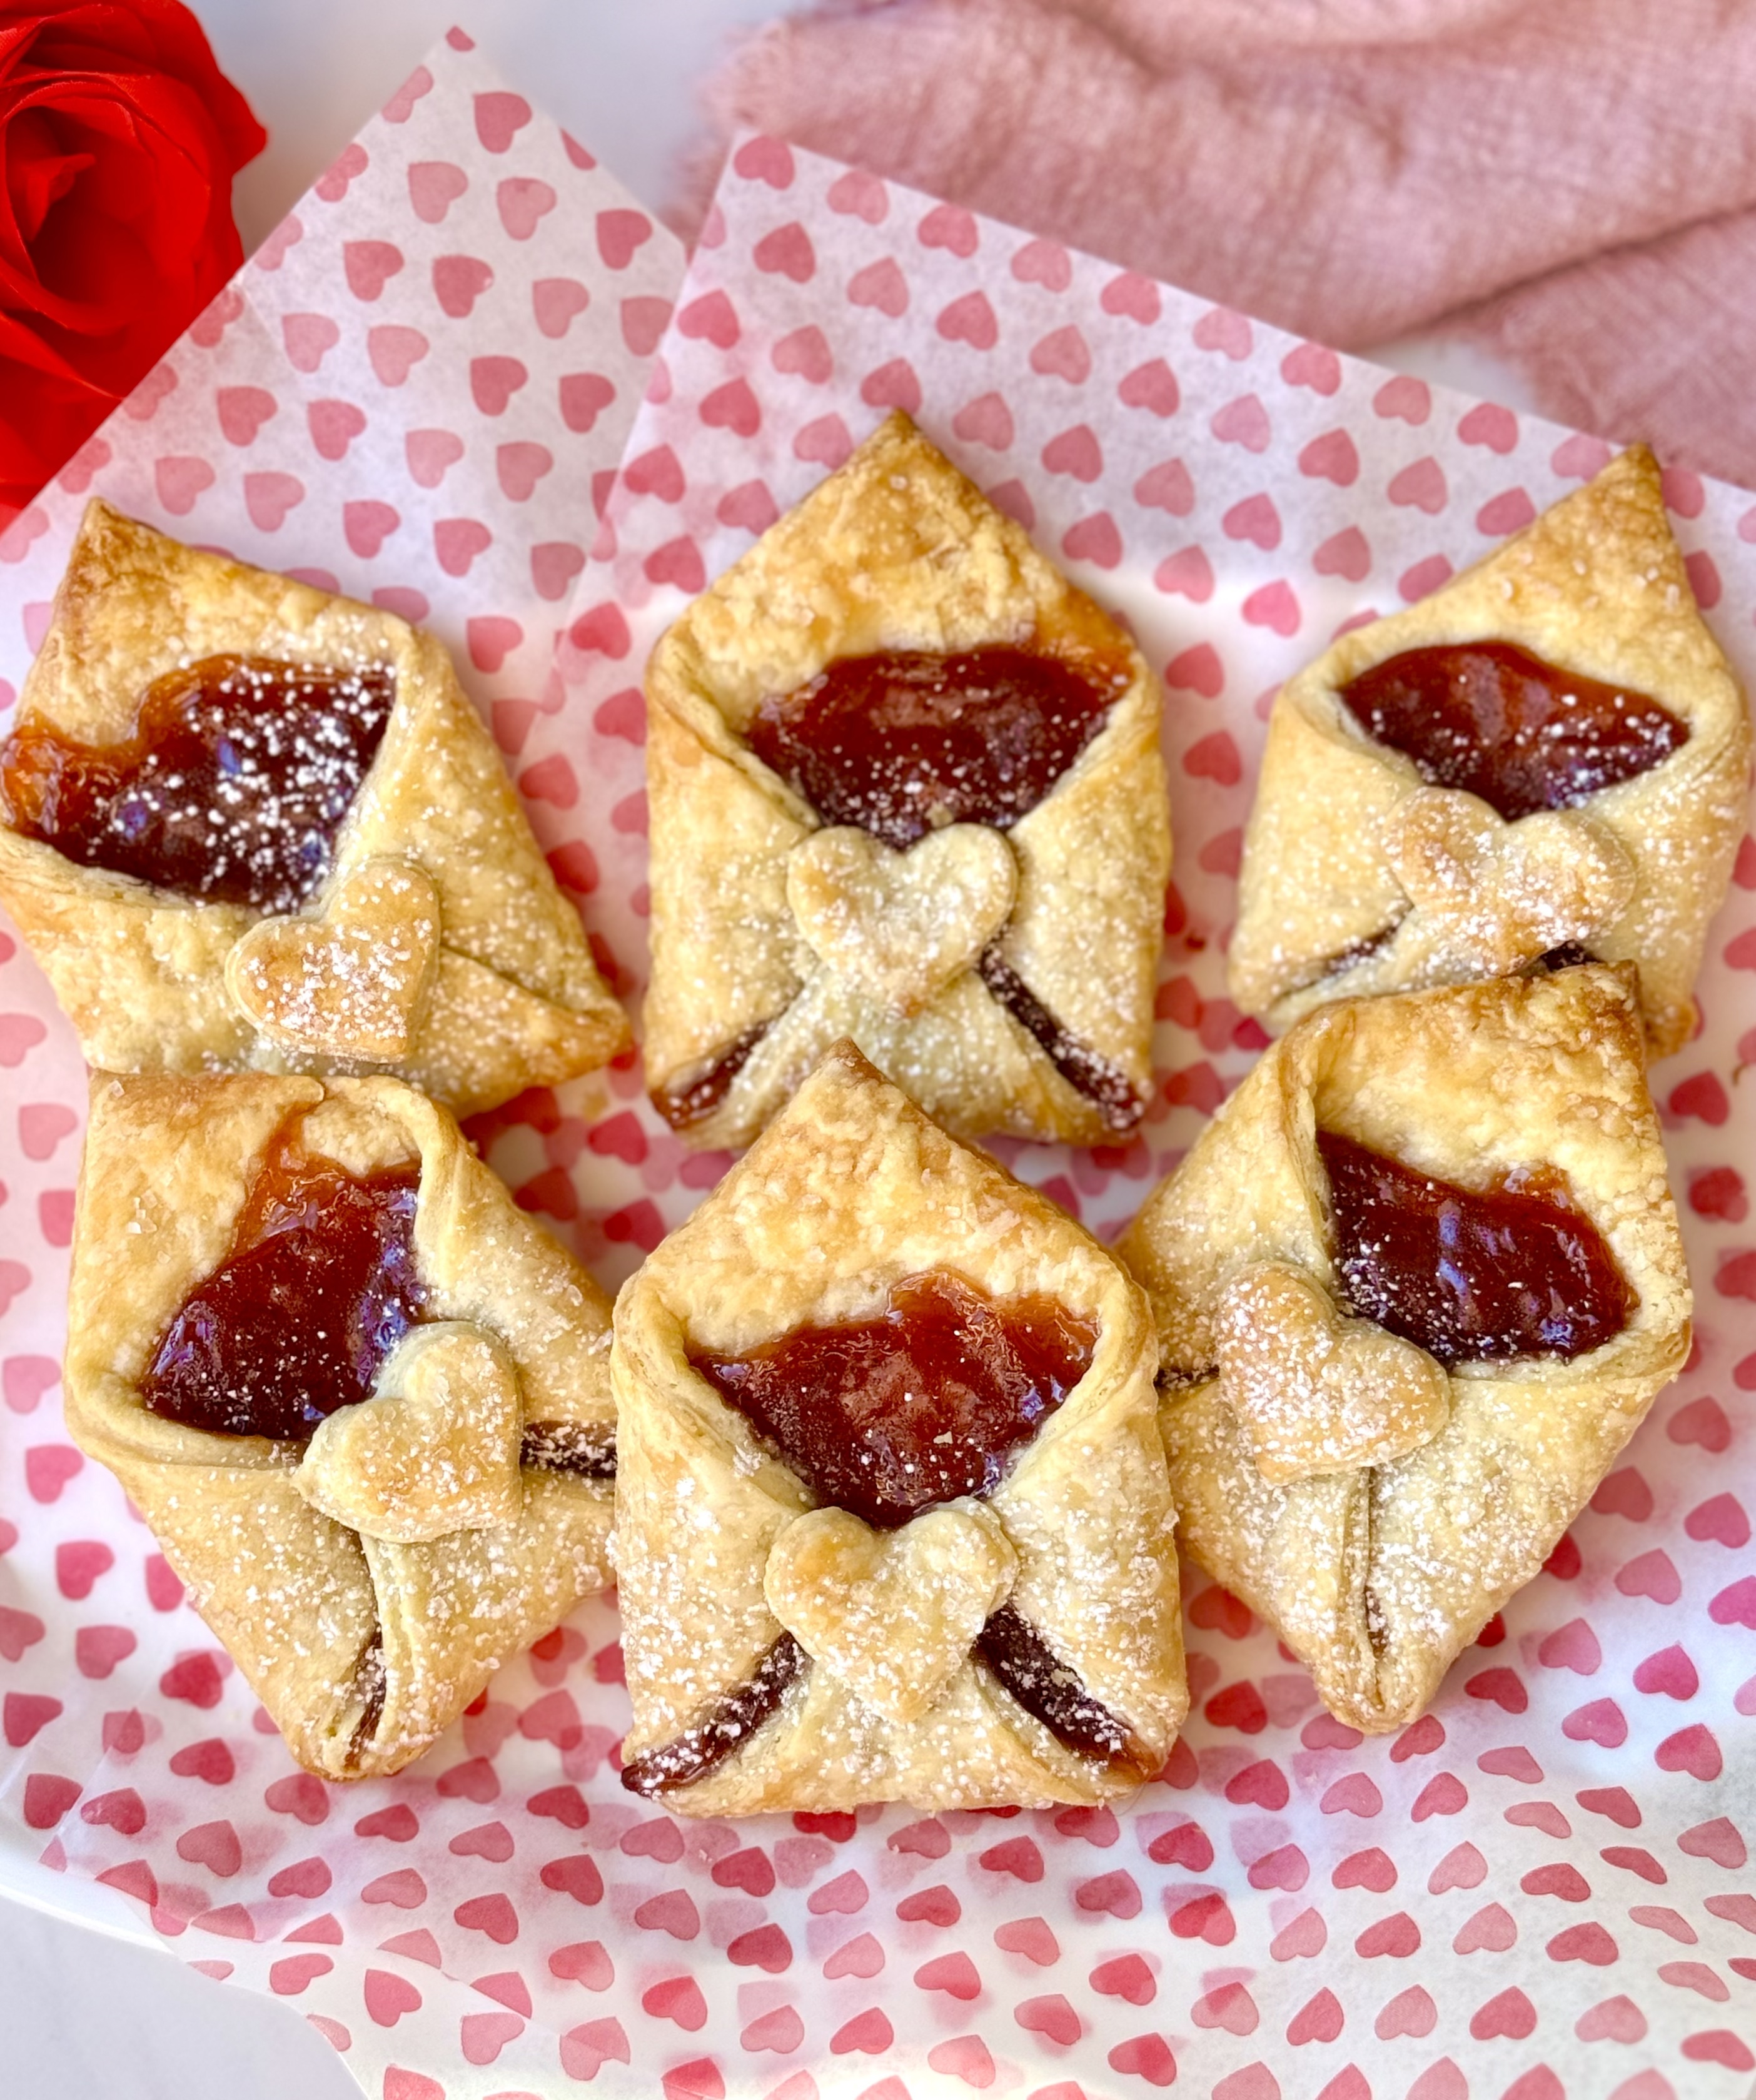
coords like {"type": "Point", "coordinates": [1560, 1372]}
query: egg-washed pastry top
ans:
{"type": "Point", "coordinates": [905, 787]}
{"type": "Point", "coordinates": [247, 824]}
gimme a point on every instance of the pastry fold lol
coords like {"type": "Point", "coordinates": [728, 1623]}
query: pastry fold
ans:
{"type": "Point", "coordinates": [1378, 1565]}
{"type": "Point", "coordinates": [436, 854]}
{"type": "Point", "coordinates": [897, 551]}
{"type": "Point", "coordinates": [363, 1648]}
{"type": "Point", "coordinates": [851, 1190]}
{"type": "Point", "coordinates": [1358, 879]}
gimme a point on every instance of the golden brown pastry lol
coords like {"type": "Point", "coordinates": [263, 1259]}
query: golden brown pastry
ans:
{"type": "Point", "coordinates": [247, 824]}
{"type": "Point", "coordinates": [906, 787]}
{"type": "Point", "coordinates": [891, 1518]}
{"type": "Point", "coordinates": [1545, 761]}
{"type": "Point", "coordinates": [361, 1399]}
{"type": "Point", "coordinates": [1378, 1422]}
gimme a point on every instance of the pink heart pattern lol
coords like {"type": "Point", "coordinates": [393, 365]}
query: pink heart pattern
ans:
{"type": "Point", "coordinates": [1399, 488]}
{"type": "Point", "coordinates": [545, 1924]}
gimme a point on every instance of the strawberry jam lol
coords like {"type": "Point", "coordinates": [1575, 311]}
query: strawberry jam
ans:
{"type": "Point", "coordinates": [319, 1288]}
{"type": "Point", "coordinates": [904, 741]}
{"type": "Point", "coordinates": [231, 790]}
{"type": "Point", "coordinates": [1492, 719]}
{"type": "Point", "coordinates": [1473, 1275]}
{"type": "Point", "coordinates": [1052, 1690]}
{"type": "Point", "coordinates": [1106, 1086]}
{"type": "Point", "coordinates": [727, 1725]}
{"type": "Point", "coordinates": [929, 1401]}
{"type": "Point", "coordinates": [684, 1106]}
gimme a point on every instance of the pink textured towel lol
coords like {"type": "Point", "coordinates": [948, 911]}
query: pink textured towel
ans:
{"type": "Point", "coordinates": [1574, 181]}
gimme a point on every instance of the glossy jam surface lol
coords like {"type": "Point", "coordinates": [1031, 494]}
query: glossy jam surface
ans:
{"type": "Point", "coordinates": [903, 743]}
{"type": "Point", "coordinates": [1051, 1689]}
{"type": "Point", "coordinates": [1473, 1275]}
{"type": "Point", "coordinates": [319, 1288]}
{"type": "Point", "coordinates": [886, 1417]}
{"type": "Point", "coordinates": [684, 1106]}
{"type": "Point", "coordinates": [231, 790]}
{"type": "Point", "coordinates": [1493, 719]}
{"type": "Point", "coordinates": [733, 1719]}
{"type": "Point", "coordinates": [1100, 1082]}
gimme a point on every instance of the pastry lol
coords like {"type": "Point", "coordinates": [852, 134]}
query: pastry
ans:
{"type": "Point", "coordinates": [892, 1521]}
{"type": "Point", "coordinates": [1415, 1285]}
{"type": "Point", "coordinates": [1546, 762]}
{"type": "Point", "coordinates": [905, 787]}
{"type": "Point", "coordinates": [361, 1399]}
{"type": "Point", "coordinates": [245, 824]}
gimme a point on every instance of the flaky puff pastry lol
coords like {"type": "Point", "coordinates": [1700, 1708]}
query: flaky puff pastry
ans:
{"type": "Point", "coordinates": [438, 947]}
{"type": "Point", "coordinates": [720, 1554]}
{"type": "Point", "coordinates": [1358, 878]}
{"type": "Point", "coordinates": [1375, 1523]}
{"type": "Point", "coordinates": [369, 1582]}
{"type": "Point", "coordinates": [771, 937]}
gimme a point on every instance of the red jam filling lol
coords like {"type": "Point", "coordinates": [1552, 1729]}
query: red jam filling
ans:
{"type": "Point", "coordinates": [683, 1106]}
{"type": "Point", "coordinates": [231, 790]}
{"type": "Point", "coordinates": [1052, 1690]}
{"type": "Point", "coordinates": [1493, 719]}
{"type": "Point", "coordinates": [319, 1288]}
{"type": "Point", "coordinates": [902, 742]}
{"type": "Point", "coordinates": [929, 1401]}
{"type": "Point", "coordinates": [730, 1722]}
{"type": "Point", "coordinates": [1473, 1276]}
{"type": "Point", "coordinates": [1105, 1085]}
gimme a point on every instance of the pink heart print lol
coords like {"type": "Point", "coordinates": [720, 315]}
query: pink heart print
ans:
{"type": "Point", "coordinates": [309, 338]}
{"type": "Point", "coordinates": [1231, 492]}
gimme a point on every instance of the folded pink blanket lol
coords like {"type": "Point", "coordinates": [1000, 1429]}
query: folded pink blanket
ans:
{"type": "Point", "coordinates": [1572, 181]}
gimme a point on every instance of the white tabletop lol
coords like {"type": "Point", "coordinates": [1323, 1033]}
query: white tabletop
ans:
{"type": "Point", "coordinates": [91, 2016]}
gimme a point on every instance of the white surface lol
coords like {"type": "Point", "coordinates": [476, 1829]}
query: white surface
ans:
{"type": "Point", "coordinates": [84, 2015]}
{"type": "Point", "coordinates": [619, 74]}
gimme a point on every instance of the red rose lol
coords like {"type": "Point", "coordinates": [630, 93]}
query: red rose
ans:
{"type": "Point", "coordinates": [119, 137]}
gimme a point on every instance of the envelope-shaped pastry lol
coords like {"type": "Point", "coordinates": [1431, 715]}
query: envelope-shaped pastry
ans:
{"type": "Point", "coordinates": [1416, 1285]}
{"type": "Point", "coordinates": [361, 1399]}
{"type": "Point", "coordinates": [906, 787]}
{"type": "Point", "coordinates": [1546, 762]}
{"type": "Point", "coordinates": [245, 824]}
{"type": "Point", "coordinates": [892, 1517]}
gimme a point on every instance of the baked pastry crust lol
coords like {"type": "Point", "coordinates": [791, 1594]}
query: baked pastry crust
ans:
{"type": "Point", "coordinates": [851, 1190]}
{"type": "Point", "coordinates": [1379, 1568]}
{"type": "Point", "coordinates": [365, 1639]}
{"type": "Point", "coordinates": [507, 994]}
{"type": "Point", "coordinates": [1345, 841]}
{"type": "Point", "coordinates": [895, 551]}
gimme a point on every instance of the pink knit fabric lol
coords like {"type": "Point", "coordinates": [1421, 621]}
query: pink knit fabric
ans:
{"type": "Point", "coordinates": [1574, 180]}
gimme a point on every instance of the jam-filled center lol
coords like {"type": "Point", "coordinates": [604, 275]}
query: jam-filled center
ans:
{"type": "Point", "coordinates": [904, 741]}
{"type": "Point", "coordinates": [1473, 1275]}
{"type": "Point", "coordinates": [231, 790]}
{"type": "Point", "coordinates": [1499, 722]}
{"type": "Point", "coordinates": [320, 1288]}
{"type": "Point", "coordinates": [926, 1402]}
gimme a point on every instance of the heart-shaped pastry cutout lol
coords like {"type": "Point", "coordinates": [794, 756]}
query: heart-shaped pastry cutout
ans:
{"type": "Point", "coordinates": [349, 984]}
{"type": "Point", "coordinates": [893, 1613]}
{"type": "Point", "coordinates": [1317, 1392]}
{"type": "Point", "coordinates": [900, 926]}
{"type": "Point", "coordinates": [434, 1450]}
{"type": "Point", "coordinates": [1501, 894]}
